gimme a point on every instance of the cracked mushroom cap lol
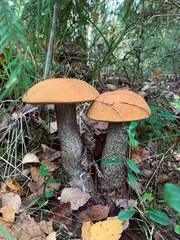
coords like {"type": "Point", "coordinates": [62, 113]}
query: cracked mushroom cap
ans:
{"type": "Point", "coordinates": [60, 90]}
{"type": "Point", "coordinates": [119, 106]}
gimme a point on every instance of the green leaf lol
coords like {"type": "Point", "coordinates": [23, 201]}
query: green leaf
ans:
{"type": "Point", "coordinates": [168, 116]}
{"type": "Point", "coordinates": [171, 195]}
{"type": "Point", "coordinates": [159, 217]}
{"type": "Point", "coordinates": [132, 132]}
{"type": "Point", "coordinates": [134, 142]}
{"type": "Point", "coordinates": [133, 166]}
{"type": "Point", "coordinates": [178, 169]}
{"type": "Point", "coordinates": [148, 196]}
{"type": "Point", "coordinates": [125, 215]}
{"type": "Point", "coordinates": [133, 125]}
{"type": "Point", "coordinates": [51, 180]}
{"type": "Point", "coordinates": [49, 194]}
{"type": "Point", "coordinates": [112, 161]}
{"type": "Point", "coordinates": [43, 170]}
{"type": "Point", "coordinates": [177, 229]}
{"type": "Point", "coordinates": [132, 178]}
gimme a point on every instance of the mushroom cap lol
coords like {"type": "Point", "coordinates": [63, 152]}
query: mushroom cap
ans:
{"type": "Point", "coordinates": [60, 90]}
{"type": "Point", "coordinates": [119, 106]}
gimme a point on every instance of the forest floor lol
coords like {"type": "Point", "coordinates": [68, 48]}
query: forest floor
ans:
{"type": "Point", "coordinates": [28, 186]}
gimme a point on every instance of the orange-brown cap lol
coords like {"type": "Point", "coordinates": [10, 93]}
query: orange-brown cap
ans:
{"type": "Point", "coordinates": [119, 106]}
{"type": "Point", "coordinates": [60, 90]}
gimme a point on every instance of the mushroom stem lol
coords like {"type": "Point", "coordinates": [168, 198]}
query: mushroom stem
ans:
{"type": "Point", "coordinates": [70, 140]}
{"type": "Point", "coordinates": [115, 147]}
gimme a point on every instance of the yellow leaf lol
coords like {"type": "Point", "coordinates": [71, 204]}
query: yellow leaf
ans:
{"type": "Point", "coordinates": [8, 214]}
{"type": "Point", "coordinates": [106, 230]}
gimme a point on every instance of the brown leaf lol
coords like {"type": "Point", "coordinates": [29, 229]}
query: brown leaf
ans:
{"type": "Point", "coordinates": [12, 186]}
{"type": "Point", "coordinates": [139, 154]}
{"type": "Point", "coordinates": [61, 215]}
{"type": "Point", "coordinates": [156, 74]}
{"type": "Point", "coordinates": [11, 199]}
{"type": "Point", "coordinates": [94, 213]}
{"type": "Point", "coordinates": [26, 228]}
{"type": "Point", "coordinates": [75, 196]}
{"type": "Point", "coordinates": [35, 174]}
{"type": "Point", "coordinates": [51, 158]}
{"type": "Point", "coordinates": [46, 226]}
{"type": "Point", "coordinates": [126, 203]}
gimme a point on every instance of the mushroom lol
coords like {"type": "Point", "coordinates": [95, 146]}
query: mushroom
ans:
{"type": "Point", "coordinates": [65, 93]}
{"type": "Point", "coordinates": [117, 108]}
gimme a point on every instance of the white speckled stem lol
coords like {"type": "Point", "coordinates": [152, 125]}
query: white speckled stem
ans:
{"type": "Point", "coordinates": [70, 140]}
{"type": "Point", "coordinates": [115, 147]}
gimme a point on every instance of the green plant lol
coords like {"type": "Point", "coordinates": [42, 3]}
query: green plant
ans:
{"type": "Point", "coordinates": [44, 173]}
{"type": "Point", "coordinates": [5, 233]}
{"type": "Point", "coordinates": [171, 195]}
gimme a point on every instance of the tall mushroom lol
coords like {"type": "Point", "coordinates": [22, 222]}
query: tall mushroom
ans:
{"type": "Point", "coordinates": [65, 93]}
{"type": "Point", "coordinates": [117, 108]}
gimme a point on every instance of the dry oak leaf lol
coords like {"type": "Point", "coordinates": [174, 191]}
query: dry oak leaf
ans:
{"type": "Point", "coordinates": [11, 199]}
{"type": "Point", "coordinates": [30, 158]}
{"type": "Point", "coordinates": [139, 154]}
{"type": "Point", "coordinates": [35, 174]}
{"type": "Point", "coordinates": [126, 203]}
{"type": "Point", "coordinates": [50, 157]}
{"type": "Point", "coordinates": [25, 228]}
{"type": "Point", "coordinates": [51, 236]}
{"type": "Point", "coordinates": [75, 196]}
{"type": "Point", "coordinates": [46, 226]}
{"type": "Point", "coordinates": [12, 186]}
{"type": "Point", "coordinates": [94, 213]}
{"type": "Point", "coordinates": [105, 230]}
{"type": "Point", "coordinates": [7, 218]}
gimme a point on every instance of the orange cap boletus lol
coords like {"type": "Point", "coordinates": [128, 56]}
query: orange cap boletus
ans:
{"type": "Point", "coordinates": [60, 90]}
{"type": "Point", "coordinates": [117, 108]}
{"type": "Point", "coordinates": [65, 93]}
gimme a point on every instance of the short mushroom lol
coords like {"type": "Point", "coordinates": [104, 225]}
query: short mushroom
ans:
{"type": "Point", "coordinates": [65, 93]}
{"type": "Point", "coordinates": [117, 108]}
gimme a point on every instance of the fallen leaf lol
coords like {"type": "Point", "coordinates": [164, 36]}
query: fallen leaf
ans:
{"type": "Point", "coordinates": [156, 74]}
{"type": "Point", "coordinates": [7, 214]}
{"type": "Point", "coordinates": [25, 227]}
{"type": "Point", "coordinates": [126, 203]}
{"type": "Point", "coordinates": [105, 230]}
{"type": "Point", "coordinates": [75, 196]}
{"type": "Point", "coordinates": [46, 226]}
{"type": "Point", "coordinates": [61, 215]}
{"type": "Point", "coordinates": [94, 213]}
{"type": "Point", "coordinates": [12, 186]}
{"type": "Point", "coordinates": [51, 236]}
{"type": "Point", "coordinates": [50, 157]}
{"type": "Point", "coordinates": [110, 87]}
{"type": "Point", "coordinates": [139, 154]}
{"type": "Point", "coordinates": [11, 199]}
{"type": "Point", "coordinates": [30, 158]}
{"type": "Point", "coordinates": [35, 174]}
{"type": "Point", "coordinates": [52, 127]}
